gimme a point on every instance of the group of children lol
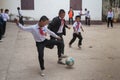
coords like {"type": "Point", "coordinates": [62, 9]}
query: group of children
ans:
{"type": "Point", "coordinates": [86, 13]}
{"type": "Point", "coordinates": [56, 28]}
{"type": "Point", "coordinates": [3, 19]}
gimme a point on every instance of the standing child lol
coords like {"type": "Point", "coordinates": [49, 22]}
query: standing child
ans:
{"type": "Point", "coordinates": [71, 14]}
{"type": "Point", "coordinates": [77, 32]}
{"type": "Point", "coordinates": [88, 18]}
{"type": "Point", "coordinates": [1, 27]}
{"type": "Point", "coordinates": [110, 18]}
{"type": "Point", "coordinates": [1, 24]}
{"type": "Point", "coordinates": [5, 18]}
{"type": "Point", "coordinates": [85, 13]}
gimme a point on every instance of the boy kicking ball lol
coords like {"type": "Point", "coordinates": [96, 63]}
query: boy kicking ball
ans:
{"type": "Point", "coordinates": [39, 32]}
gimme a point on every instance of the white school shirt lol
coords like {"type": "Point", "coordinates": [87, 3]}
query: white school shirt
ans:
{"type": "Point", "coordinates": [110, 15]}
{"type": "Point", "coordinates": [5, 16]}
{"type": "Point", "coordinates": [75, 26]}
{"type": "Point", "coordinates": [88, 15]}
{"type": "Point", "coordinates": [61, 27]}
{"type": "Point", "coordinates": [19, 13]}
{"type": "Point", "coordinates": [34, 29]}
{"type": "Point", "coordinates": [85, 13]}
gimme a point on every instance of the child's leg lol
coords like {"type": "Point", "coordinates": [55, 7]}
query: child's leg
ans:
{"type": "Point", "coordinates": [89, 21]}
{"type": "Point", "coordinates": [0, 32]}
{"type": "Point", "coordinates": [86, 20]}
{"type": "Point", "coordinates": [62, 42]}
{"type": "Point", "coordinates": [111, 21]}
{"type": "Point", "coordinates": [108, 22]}
{"type": "Point", "coordinates": [80, 39]}
{"type": "Point", "coordinates": [4, 28]}
{"type": "Point", "coordinates": [69, 20]}
{"type": "Point", "coordinates": [40, 49]}
{"type": "Point", "coordinates": [21, 20]}
{"type": "Point", "coordinates": [59, 44]}
{"type": "Point", "coordinates": [72, 20]}
{"type": "Point", "coordinates": [73, 39]}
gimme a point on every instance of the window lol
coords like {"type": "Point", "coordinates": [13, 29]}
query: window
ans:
{"type": "Point", "coordinates": [76, 4]}
{"type": "Point", "coordinates": [27, 4]}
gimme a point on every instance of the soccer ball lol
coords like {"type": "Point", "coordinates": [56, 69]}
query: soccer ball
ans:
{"type": "Point", "coordinates": [69, 61]}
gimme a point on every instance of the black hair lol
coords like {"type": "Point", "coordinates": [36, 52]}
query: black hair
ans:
{"type": "Point", "coordinates": [43, 18]}
{"type": "Point", "coordinates": [18, 8]}
{"type": "Point", "coordinates": [77, 16]}
{"type": "Point", "coordinates": [6, 10]}
{"type": "Point", "coordinates": [85, 9]}
{"type": "Point", "coordinates": [1, 9]}
{"type": "Point", "coordinates": [61, 11]}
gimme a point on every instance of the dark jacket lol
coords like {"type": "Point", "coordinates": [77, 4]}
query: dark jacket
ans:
{"type": "Point", "coordinates": [1, 20]}
{"type": "Point", "coordinates": [55, 24]}
{"type": "Point", "coordinates": [1, 26]}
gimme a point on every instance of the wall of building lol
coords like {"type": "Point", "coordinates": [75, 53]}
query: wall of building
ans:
{"type": "Point", "coordinates": [95, 8]}
{"type": "Point", "coordinates": [51, 8]}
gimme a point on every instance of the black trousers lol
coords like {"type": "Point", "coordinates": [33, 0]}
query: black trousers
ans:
{"type": "Point", "coordinates": [42, 45]}
{"type": "Point", "coordinates": [70, 20]}
{"type": "Point", "coordinates": [4, 28]}
{"type": "Point", "coordinates": [87, 21]}
{"type": "Point", "coordinates": [79, 36]}
{"type": "Point", "coordinates": [61, 40]}
{"type": "Point", "coordinates": [110, 21]}
{"type": "Point", "coordinates": [21, 20]}
{"type": "Point", "coordinates": [1, 29]}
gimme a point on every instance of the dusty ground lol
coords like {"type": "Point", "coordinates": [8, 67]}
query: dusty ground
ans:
{"type": "Point", "coordinates": [18, 56]}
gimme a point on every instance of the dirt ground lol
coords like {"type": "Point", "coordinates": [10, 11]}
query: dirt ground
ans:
{"type": "Point", "coordinates": [99, 58]}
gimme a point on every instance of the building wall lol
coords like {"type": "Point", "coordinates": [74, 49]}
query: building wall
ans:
{"type": "Point", "coordinates": [95, 8]}
{"type": "Point", "coordinates": [51, 8]}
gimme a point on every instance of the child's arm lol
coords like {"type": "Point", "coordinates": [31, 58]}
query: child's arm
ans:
{"type": "Point", "coordinates": [52, 34]}
{"type": "Point", "coordinates": [82, 29]}
{"type": "Point", "coordinates": [29, 29]}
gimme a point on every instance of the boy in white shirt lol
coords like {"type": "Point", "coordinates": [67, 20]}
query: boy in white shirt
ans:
{"type": "Point", "coordinates": [77, 32]}
{"type": "Point", "coordinates": [110, 16]}
{"type": "Point", "coordinates": [39, 32]}
{"type": "Point", "coordinates": [5, 18]}
{"type": "Point", "coordinates": [88, 18]}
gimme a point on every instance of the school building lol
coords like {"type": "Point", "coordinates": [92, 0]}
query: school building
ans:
{"type": "Point", "coordinates": [50, 8]}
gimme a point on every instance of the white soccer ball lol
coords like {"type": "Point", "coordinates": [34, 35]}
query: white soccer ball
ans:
{"type": "Point", "coordinates": [69, 61]}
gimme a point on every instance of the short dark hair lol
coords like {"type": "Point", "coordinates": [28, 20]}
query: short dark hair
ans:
{"type": "Point", "coordinates": [61, 11]}
{"type": "Point", "coordinates": [18, 8]}
{"type": "Point", "coordinates": [6, 10]}
{"type": "Point", "coordinates": [77, 16]}
{"type": "Point", "coordinates": [43, 18]}
{"type": "Point", "coordinates": [1, 9]}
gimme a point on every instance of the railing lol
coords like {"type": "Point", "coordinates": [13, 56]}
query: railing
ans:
{"type": "Point", "coordinates": [26, 18]}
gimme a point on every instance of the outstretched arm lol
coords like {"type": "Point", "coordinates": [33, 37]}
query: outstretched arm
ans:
{"type": "Point", "coordinates": [52, 34]}
{"type": "Point", "coordinates": [29, 29]}
{"type": "Point", "coordinates": [67, 26]}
